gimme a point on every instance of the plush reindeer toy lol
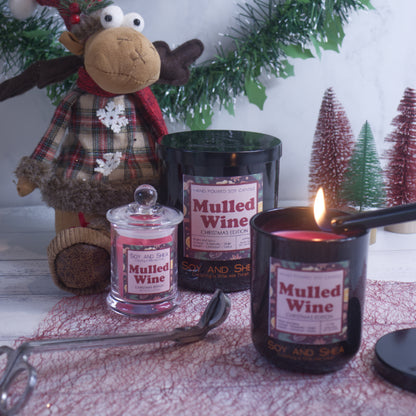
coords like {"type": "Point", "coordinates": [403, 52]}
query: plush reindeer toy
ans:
{"type": "Point", "coordinates": [100, 144]}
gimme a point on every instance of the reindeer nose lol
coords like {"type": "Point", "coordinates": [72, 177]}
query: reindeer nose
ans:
{"type": "Point", "coordinates": [136, 55]}
{"type": "Point", "coordinates": [121, 60]}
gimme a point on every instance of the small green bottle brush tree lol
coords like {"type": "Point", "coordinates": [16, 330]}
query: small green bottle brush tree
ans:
{"type": "Point", "coordinates": [363, 185]}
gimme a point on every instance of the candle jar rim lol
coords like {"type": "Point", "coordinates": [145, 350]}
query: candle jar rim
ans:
{"type": "Point", "coordinates": [221, 141]}
{"type": "Point", "coordinates": [307, 213]}
{"type": "Point", "coordinates": [221, 147]}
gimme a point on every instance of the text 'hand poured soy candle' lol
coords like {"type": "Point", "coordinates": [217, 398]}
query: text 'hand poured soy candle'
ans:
{"type": "Point", "coordinates": [307, 290]}
{"type": "Point", "coordinates": [219, 179]}
{"type": "Point", "coordinates": [144, 272]}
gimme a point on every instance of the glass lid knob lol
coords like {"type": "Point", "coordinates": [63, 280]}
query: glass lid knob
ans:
{"type": "Point", "coordinates": [145, 196]}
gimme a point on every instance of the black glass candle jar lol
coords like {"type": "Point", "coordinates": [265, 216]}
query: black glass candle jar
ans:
{"type": "Point", "coordinates": [220, 179]}
{"type": "Point", "coordinates": [307, 291]}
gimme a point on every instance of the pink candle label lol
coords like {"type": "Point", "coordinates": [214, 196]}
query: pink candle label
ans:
{"type": "Point", "coordinates": [148, 272]}
{"type": "Point", "coordinates": [308, 302]}
{"type": "Point", "coordinates": [217, 215]}
{"type": "Point", "coordinates": [145, 266]}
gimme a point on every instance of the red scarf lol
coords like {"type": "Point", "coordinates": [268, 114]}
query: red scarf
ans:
{"type": "Point", "coordinates": [147, 106]}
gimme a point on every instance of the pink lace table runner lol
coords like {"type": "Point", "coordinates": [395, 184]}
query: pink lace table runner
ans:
{"type": "Point", "coordinates": [221, 375]}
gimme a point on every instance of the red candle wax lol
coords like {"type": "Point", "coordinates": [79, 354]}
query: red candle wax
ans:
{"type": "Point", "coordinates": [306, 235]}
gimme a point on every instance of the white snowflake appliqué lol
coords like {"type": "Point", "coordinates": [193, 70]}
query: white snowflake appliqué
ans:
{"type": "Point", "coordinates": [112, 116]}
{"type": "Point", "coordinates": [110, 162]}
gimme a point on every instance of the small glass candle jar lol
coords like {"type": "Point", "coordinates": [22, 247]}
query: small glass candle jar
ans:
{"type": "Point", "coordinates": [143, 256]}
{"type": "Point", "coordinates": [307, 291]}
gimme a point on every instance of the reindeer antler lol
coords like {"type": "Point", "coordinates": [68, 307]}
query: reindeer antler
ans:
{"type": "Point", "coordinates": [175, 64]}
{"type": "Point", "coordinates": [40, 74]}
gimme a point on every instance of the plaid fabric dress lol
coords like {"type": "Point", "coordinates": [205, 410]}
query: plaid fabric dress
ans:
{"type": "Point", "coordinates": [97, 150]}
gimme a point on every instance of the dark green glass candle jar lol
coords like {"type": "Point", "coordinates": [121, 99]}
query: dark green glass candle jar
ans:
{"type": "Point", "coordinates": [219, 179]}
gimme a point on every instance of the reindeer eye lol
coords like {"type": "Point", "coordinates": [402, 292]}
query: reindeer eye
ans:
{"type": "Point", "coordinates": [111, 16]}
{"type": "Point", "coordinates": [134, 20]}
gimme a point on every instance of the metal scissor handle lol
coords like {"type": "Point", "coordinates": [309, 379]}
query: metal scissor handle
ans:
{"type": "Point", "coordinates": [216, 312]}
{"type": "Point", "coordinates": [16, 364]}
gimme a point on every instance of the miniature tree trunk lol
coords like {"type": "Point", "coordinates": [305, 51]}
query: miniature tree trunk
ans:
{"type": "Point", "coordinates": [331, 150]}
{"type": "Point", "coordinates": [363, 186]}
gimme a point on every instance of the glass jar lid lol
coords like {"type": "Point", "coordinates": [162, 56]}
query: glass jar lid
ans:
{"type": "Point", "coordinates": [145, 211]}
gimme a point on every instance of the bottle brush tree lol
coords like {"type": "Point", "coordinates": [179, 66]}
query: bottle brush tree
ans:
{"type": "Point", "coordinates": [400, 171]}
{"type": "Point", "coordinates": [363, 185]}
{"type": "Point", "coordinates": [331, 150]}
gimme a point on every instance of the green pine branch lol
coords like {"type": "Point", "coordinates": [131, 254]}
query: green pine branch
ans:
{"type": "Point", "coordinates": [25, 42]}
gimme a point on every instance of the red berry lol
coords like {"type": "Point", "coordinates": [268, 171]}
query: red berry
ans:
{"type": "Point", "coordinates": [74, 8]}
{"type": "Point", "coordinates": [75, 19]}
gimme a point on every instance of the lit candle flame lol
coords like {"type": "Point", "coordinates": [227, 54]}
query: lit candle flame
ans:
{"type": "Point", "coordinates": [319, 209]}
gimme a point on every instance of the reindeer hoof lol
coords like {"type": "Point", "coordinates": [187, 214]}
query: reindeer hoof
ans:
{"type": "Point", "coordinates": [79, 260]}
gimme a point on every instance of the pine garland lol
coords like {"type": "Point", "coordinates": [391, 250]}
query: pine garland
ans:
{"type": "Point", "coordinates": [267, 34]}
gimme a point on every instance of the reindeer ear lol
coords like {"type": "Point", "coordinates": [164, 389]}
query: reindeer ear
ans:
{"type": "Point", "coordinates": [72, 43]}
{"type": "Point", "coordinates": [22, 9]}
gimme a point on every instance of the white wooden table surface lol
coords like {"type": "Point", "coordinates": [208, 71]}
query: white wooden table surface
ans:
{"type": "Point", "coordinates": [27, 292]}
